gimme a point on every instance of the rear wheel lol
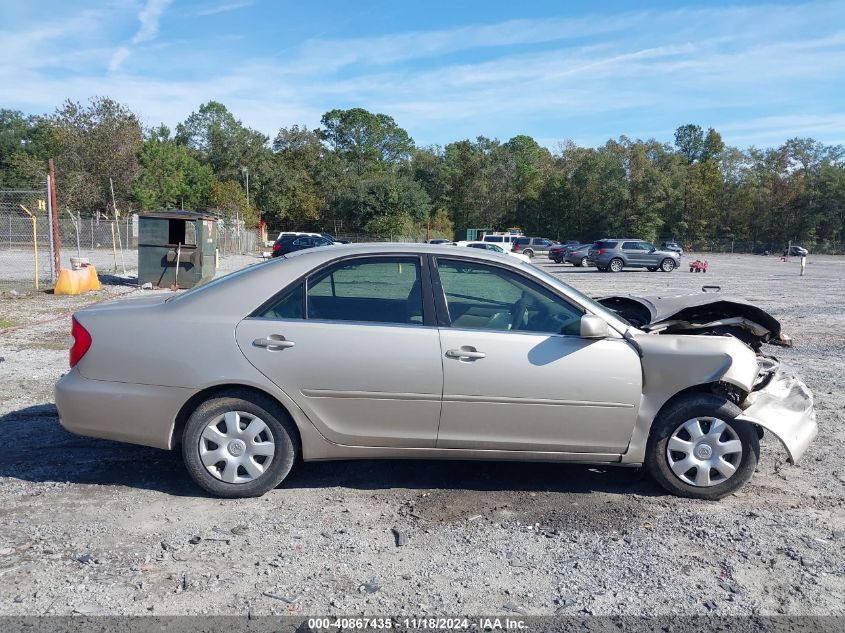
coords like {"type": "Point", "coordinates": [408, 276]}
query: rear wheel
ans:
{"type": "Point", "coordinates": [583, 261]}
{"type": "Point", "coordinates": [667, 265]}
{"type": "Point", "coordinates": [239, 444]}
{"type": "Point", "coordinates": [528, 252]}
{"type": "Point", "coordinates": [697, 448]}
{"type": "Point", "coordinates": [616, 265]}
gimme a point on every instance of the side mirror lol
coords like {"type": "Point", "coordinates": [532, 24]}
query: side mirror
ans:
{"type": "Point", "coordinates": [594, 327]}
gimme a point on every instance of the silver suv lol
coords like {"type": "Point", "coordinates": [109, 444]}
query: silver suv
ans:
{"type": "Point", "coordinates": [618, 253]}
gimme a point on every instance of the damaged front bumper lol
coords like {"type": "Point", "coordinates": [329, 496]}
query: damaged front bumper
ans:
{"type": "Point", "coordinates": [782, 404]}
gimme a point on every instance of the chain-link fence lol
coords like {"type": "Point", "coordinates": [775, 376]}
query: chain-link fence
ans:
{"type": "Point", "coordinates": [26, 254]}
{"type": "Point", "coordinates": [110, 245]}
{"type": "Point", "coordinates": [727, 245]}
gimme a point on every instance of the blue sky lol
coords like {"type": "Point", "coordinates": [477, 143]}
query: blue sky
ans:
{"type": "Point", "coordinates": [586, 71]}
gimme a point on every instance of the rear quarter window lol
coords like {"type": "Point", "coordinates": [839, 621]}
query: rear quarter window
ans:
{"type": "Point", "coordinates": [605, 244]}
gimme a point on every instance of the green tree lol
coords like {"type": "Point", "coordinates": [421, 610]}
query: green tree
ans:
{"type": "Point", "coordinates": [364, 140]}
{"type": "Point", "coordinates": [170, 176]}
{"type": "Point", "coordinates": [92, 144]}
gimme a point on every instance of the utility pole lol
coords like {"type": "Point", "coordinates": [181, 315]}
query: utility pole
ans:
{"type": "Point", "coordinates": [245, 170]}
{"type": "Point", "coordinates": [54, 217]}
{"type": "Point", "coordinates": [116, 215]}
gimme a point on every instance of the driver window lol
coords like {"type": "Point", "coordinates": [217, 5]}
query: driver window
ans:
{"type": "Point", "coordinates": [482, 297]}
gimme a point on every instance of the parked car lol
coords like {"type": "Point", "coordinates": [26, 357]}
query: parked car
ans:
{"type": "Point", "coordinates": [333, 239]}
{"type": "Point", "coordinates": [505, 241]}
{"type": "Point", "coordinates": [795, 251]}
{"type": "Point", "coordinates": [286, 245]}
{"type": "Point", "coordinates": [439, 240]}
{"type": "Point", "coordinates": [558, 252]}
{"type": "Point", "coordinates": [532, 246]}
{"type": "Point", "coordinates": [618, 253]}
{"type": "Point", "coordinates": [672, 246]}
{"type": "Point", "coordinates": [428, 352]}
{"type": "Point", "coordinates": [297, 234]}
{"type": "Point", "coordinates": [495, 248]}
{"type": "Point", "coordinates": [578, 255]}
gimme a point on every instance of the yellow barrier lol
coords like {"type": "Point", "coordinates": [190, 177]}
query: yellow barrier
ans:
{"type": "Point", "coordinates": [74, 282]}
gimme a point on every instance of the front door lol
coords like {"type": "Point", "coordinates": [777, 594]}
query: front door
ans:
{"type": "Point", "coordinates": [517, 374]}
{"type": "Point", "coordinates": [354, 347]}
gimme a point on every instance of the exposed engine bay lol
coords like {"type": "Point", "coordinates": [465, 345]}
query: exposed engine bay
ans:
{"type": "Point", "coordinates": [706, 312]}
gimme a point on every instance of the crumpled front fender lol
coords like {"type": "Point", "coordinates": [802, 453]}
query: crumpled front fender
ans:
{"type": "Point", "coordinates": [784, 407]}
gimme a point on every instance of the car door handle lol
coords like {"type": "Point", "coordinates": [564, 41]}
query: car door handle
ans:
{"type": "Point", "coordinates": [273, 344]}
{"type": "Point", "coordinates": [465, 353]}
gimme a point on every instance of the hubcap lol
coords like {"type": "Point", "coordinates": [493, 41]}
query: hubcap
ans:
{"type": "Point", "coordinates": [668, 265]}
{"type": "Point", "coordinates": [704, 452]}
{"type": "Point", "coordinates": [237, 447]}
{"type": "Point", "coordinates": [616, 266]}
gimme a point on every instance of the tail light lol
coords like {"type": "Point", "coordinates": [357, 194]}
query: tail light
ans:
{"type": "Point", "coordinates": [602, 251]}
{"type": "Point", "coordinates": [81, 341]}
{"type": "Point", "coordinates": [276, 247]}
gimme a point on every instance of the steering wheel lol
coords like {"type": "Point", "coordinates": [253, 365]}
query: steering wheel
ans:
{"type": "Point", "coordinates": [520, 310]}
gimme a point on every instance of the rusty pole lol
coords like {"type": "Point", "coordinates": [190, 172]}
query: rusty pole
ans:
{"type": "Point", "coordinates": [54, 220]}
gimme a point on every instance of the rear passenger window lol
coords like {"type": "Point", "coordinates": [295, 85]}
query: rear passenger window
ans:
{"type": "Point", "coordinates": [290, 306]}
{"type": "Point", "coordinates": [631, 246]}
{"type": "Point", "coordinates": [384, 290]}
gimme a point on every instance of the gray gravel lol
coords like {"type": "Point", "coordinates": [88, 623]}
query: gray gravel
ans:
{"type": "Point", "coordinates": [89, 526]}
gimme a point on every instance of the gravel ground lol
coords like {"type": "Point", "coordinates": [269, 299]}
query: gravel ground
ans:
{"type": "Point", "coordinates": [90, 526]}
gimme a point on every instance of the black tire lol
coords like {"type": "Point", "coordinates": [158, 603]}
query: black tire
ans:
{"type": "Point", "coordinates": [556, 260]}
{"type": "Point", "coordinates": [667, 265]}
{"type": "Point", "coordinates": [583, 262]}
{"type": "Point", "coordinates": [700, 405]}
{"type": "Point", "coordinates": [528, 252]}
{"type": "Point", "coordinates": [692, 270]}
{"type": "Point", "coordinates": [619, 266]}
{"type": "Point", "coordinates": [279, 424]}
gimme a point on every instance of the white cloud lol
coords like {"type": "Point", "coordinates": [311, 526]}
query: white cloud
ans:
{"type": "Point", "coordinates": [118, 58]}
{"type": "Point", "coordinates": [590, 78]}
{"type": "Point", "coordinates": [149, 16]}
{"type": "Point", "coordinates": [224, 8]}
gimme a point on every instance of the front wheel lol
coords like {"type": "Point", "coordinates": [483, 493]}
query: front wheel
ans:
{"type": "Point", "coordinates": [239, 444]}
{"type": "Point", "coordinates": [698, 449]}
{"type": "Point", "coordinates": [667, 265]}
{"type": "Point", "coordinates": [616, 265]}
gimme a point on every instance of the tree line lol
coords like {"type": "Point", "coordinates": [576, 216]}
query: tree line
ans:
{"type": "Point", "coordinates": [361, 172]}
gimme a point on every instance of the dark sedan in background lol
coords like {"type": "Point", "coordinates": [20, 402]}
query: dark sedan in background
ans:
{"type": "Point", "coordinates": [285, 245]}
{"type": "Point", "coordinates": [577, 255]}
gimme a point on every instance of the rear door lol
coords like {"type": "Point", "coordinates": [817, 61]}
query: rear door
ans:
{"type": "Point", "coordinates": [356, 347]}
{"type": "Point", "coordinates": [634, 253]}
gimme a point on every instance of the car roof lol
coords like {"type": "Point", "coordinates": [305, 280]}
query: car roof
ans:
{"type": "Point", "coordinates": [377, 248]}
